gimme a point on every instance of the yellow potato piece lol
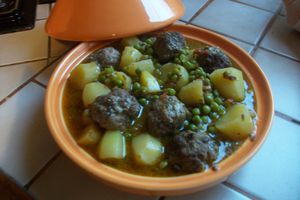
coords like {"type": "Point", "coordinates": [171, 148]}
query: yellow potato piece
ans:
{"type": "Point", "coordinates": [192, 93]}
{"type": "Point", "coordinates": [112, 146]}
{"type": "Point", "coordinates": [92, 90]}
{"type": "Point", "coordinates": [143, 65]}
{"type": "Point", "coordinates": [146, 149]}
{"type": "Point", "coordinates": [229, 82]}
{"type": "Point", "coordinates": [168, 68]}
{"type": "Point", "coordinates": [91, 136]}
{"type": "Point", "coordinates": [236, 124]}
{"type": "Point", "coordinates": [83, 74]}
{"type": "Point", "coordinates": [130, 55]}
{"type": "Point", "coordinates": [150, 82]}
{"type": "Point", "coordinates": [127, 82]}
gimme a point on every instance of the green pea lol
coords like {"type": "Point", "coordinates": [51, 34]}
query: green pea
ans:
{"type": "Point", "coordinates": [205, 119]}
{"type": "Point", "coordinates": [149, 51]}
{"type": "Point", "coordinates": [214, 115]}
{"type": "Point", "coordinates": [221, 112]}
{"type": "Point", "coordinates": [157, 71]}
{"type": "Point", "coordinates": [136, 86]}
{"type": "Point", "coordinates": [214, 106]}
{"type": "Point", "coordinates": [192, 77]}
{"type": "Point", "coordinates": [144, 90]}
{"type": "Point", "coordinates": [171, 91]}
{"type": "Point", "coordinates": [177, 60]}
{"type": "Point", "coordinates": [206, 81]}
{"type": "Point", "coordinates": [201, 127]}
{"type": "Point", "coordinates": [155, 97]}
{"type": "Point", "coordinates": [186, 124]}
{"type": "Point", "coordinates": [196, 111]}
{"type": "Point", "coordinates": [211, 129]}
{"type": "Point", "coordinates": [138, 72]}
{"type": "Point", "coordinates": [216, 93]}
{"type": "Point", "coordinates": [143, 101]}
{"type": "Point", "coordinates": [109, 70]}
{"type": "Point", "coordinates": [206, 109]}
{"type": "Point", "coordinates": [177, 70]}
{"type": "Point", "coordinates": [174, 77]}
{"type": "Point", "coordinates": [196, 119]}
{"type": "Point", "coordinates": [150, 41]}
{"type": "Point", "coordinates": [102, 78]}
{"type": "Point", "coordinates": [194, 61]}
{"type": "Point", "coordinates": [218, 100]}
{"type": "Point", "coordinates": [193, 72]}
{"type": "Point", "coordinates": [208, 98]}
{"type": "Point", "coordinates": [192, 127]}
{"type": "Point", "coordinates": [118, 82]}
{"type": "Point", "coordinates": [157, 65]}
{"type": "Point", "coordinates": [189, 65]}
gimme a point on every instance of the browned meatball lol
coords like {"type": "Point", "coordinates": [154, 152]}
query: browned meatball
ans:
{"type": "Point", "coordinates": [108, 56]}
{"type": "Point", "coordinates": [190, 151]}
{"type": "Point", "coordinates": [116, 110]}
{"type": "Point", "coordinates": [167, 45]}
{"type": "Point", "coordinates": [212, 58]}
{"type": "Point", "coordinates": [167, 115]}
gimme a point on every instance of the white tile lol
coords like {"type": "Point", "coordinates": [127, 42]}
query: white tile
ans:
{"type": "Point", "coordinates": [66, 181]}
{"type": "Point", "coordinates": [283, 75]}
{"type": "Point", "coordinates": [191, 7]}
{"type": "Point", "coordinates": [45, 75]}
{"type": "Point", "coordinates": [25, 143]}
{"type": "Point", "coordinates": [59, 47]}
{"type": "Point", "coordinates": [42, 11]}
{"type": "Point", "coordinates": [219, 192]}
{"type": "Point", "coordinates": [243, 22]}
{"type": "Point", "coordinates": [271, 5]}
{"type": "Point", "coordinates": [13, 76]}
{"type": "Point", "coordinates": [25, 45]}
{"type": "Point", "coordinates": [243, 45]}
{"type": "Point", "coordinates": [282, 38]}
{"type": "Point", "coordinates": [274, 172]}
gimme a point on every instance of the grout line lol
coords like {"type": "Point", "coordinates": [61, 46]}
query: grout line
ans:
{"type": "Point", "coordinates": [253, 6]}
{"type": "Point", "coordinates": [239, 190]}
{"type": "Point", "coordinates": [39, 83]}
{"type": "Point", "coordinates": [280, 54]}
{"type": "Point", "coordinates": [28, 81]}
{"type": "Point", "coordinates": [199, 11]}
{"type": "Point", "coordinates": [43, 169]}
{"type": "Point", "coordinates": [23, 62]}
{"type": "Point", "coordinates": [286, 117]}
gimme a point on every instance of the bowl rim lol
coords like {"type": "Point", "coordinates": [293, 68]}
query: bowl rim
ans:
{"type": "Point", "coordinates": [161, 185]}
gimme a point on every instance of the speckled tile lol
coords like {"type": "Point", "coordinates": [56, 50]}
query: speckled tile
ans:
{"type": "Point", "coordinates": [11, 77]}
{"type": "Point", "coordinates": [59, 47]}
{"type": "Point", "coordinates": [274, 172]}
{"type": "Point", "coordinates": [66, 181]}
{"type": "Point", "coordinates": [25, 45]}
{"type": "Point", "coordinates": [234, 19]}
{"type": "Point", "coordinates": [191, 7]}
{"type": "Point", "coordinates": [282, 39]}
{"type": "Point", "coordinates": [283, 75]}
{"type": "Point", "coordinates": [25, 143]}
{"type": "Point", "coordinates": [219, 192]}
{"type": "Point", "coordinates": [270, 5]}
{"type": "Point", "coordinates": [42, 11]}
{"type": "Point", "coordinates": [45, 75]}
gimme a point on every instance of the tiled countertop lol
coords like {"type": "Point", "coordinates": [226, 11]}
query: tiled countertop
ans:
{"type": "Point", "coordinates": [30, 156]}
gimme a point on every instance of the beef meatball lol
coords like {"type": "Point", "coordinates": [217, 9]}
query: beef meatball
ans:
{"type": "Point", "coordinates": [108, 56]}
{"type": "Point", "coordinates": [167, 115]}
{"type": "Point", "coordinates": [190, 151]}
{"type": "Point", "coordinates": [115, 110]}
{"type": "Point", "coordinates": [167, 45]}
{"type": "Point", "coordinates": [212, 58]}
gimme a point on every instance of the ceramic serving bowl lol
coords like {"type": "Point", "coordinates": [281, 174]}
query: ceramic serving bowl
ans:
{"type": "Point", "coordinates": [153, 185]}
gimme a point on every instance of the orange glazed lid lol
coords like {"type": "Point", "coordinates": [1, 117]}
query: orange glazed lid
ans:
{"type": "Point", "coordinates": [93, 20]}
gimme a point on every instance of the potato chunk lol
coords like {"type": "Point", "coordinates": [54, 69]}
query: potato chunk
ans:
{"type": "Point", "coordinates": [130, 41]}
{"type": "Point", "coordinates": [170, 68]}
{"type": "Point", "coordinates": [130, 55]}
{"type": "Point", "coordinates": [112, 145]}
{"type": "Point", "coordinates": [90, 136]}
{"type": "Point", "coordinates": [192, 93]}
{"type": "Point", "coordinates": [143, 65]}
{"type": "Point", "coordinates": [126, 80]}
{"type": "Point", "coordinates": [83, 74]}
{"type": "Point", "coordinates": [92, 90]}
{"type": "Point", "coordinates": [229, 82]}
{"type": "Point", "coordinates": [146, 149]}
{"type": "Point", "coordinates": [237, 123]}
{"type": "Point", "coordinates": [150, 82]}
